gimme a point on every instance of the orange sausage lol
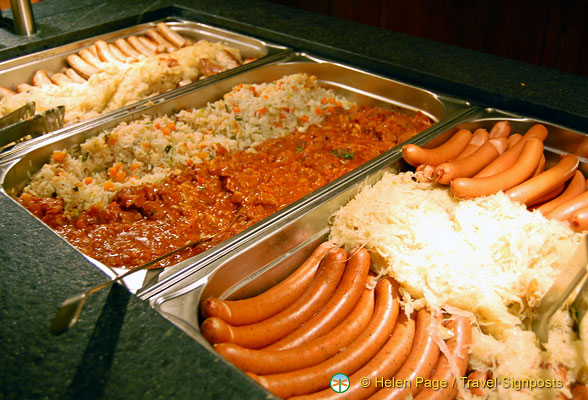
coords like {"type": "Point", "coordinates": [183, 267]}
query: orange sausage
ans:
{"type": "Point", "coordinates": [579, 219]}
{"type": "Point", "coordinates": [479, 137]}
{"type": "Point", "coordinates": [420, 362]}
{"type": "Point", "coordinates": [500, 130]}
{"type": "Point", "coordinates": [126, 48]}
{"type": "Point", "coordinates": [266, 332]}
{"type": "Point", "coordinates": [458, 346]}
{"type": "Point", "coordinates": [151, 45]}
{"type": "Point", "coordinates": [424, 173]}
{"type": "Point", "coordinates": [344, 298]}
{"type": "Point", "coordinates": [576, 187]}
{"type": "Point", "coordinates": [119, 55]}
{"type": "Point", "coordinates": [81, 66]}
{"type": "Point", "coordinates": [90, 58]}
{"type": "Point", "coordinates": [349, 360]}
{"type": "Point", "coordinates": [41, 78]}
{"type": "Point", "coordinates": [521, 170]}
{"type": "Point", "coordinates": [514, 139]}
{"type": "Point", "coordinates": [580, 392]}
{"type": "Point", "coordinates": [271, 361]}
{"type": "Point", "coordinates": [104, 52]}
{"type": "Point", "coordinates": [140, 47]}
{"type": "Point", "coordinates": [416, 155]}
{"type": "Point", "coordinates": [170, 35]}
{"type": "Point", "coordinates": [383, 366]}
{"type": "Point", "coordinates": [475, 389]}
{"type": "Point", "coordinates": [74, 76]}
{"type": "Point", "coordinates": [547, 196]}
{"type": "Point", "coordinates": [567, 208]}
{"type": "Point", "coordinates": [270, 302]}
{"type": "Point", "coordinates": [156, 37]}
{"type": "Point", "coordinates": [509, 157]}
{"type": "Point", "coordinates": [546, 181]}
{"type": "Point", "coordinates": [24, 87]}
{"type": "Point", "coordinates": [59, 79]}
{"type": "Point", "coordinates": [469, 166]}
{"type": "Point", "coordinates": [540, 167]}
{"type": "Point", "coordinates": [4, 92]}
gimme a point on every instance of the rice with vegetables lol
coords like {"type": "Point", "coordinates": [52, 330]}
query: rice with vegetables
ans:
{"type": "Point", "coordinates": [147, 150]}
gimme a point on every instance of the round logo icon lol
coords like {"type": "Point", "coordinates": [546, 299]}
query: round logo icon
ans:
{"type": "Point", "coordinates": [340, 383]}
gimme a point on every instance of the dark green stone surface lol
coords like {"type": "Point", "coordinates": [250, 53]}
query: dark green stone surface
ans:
{"type": "Point", "coordinates": [121, 348]}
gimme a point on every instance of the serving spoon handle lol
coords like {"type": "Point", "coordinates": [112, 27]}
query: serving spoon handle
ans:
{"type": "Point", "coordinates": [70, 309]}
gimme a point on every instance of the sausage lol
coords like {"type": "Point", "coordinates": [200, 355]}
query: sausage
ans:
{"type": "Point", "coordinates": [458, 346]}
{"type": "Point", "coordinates": [270, 302]}
{"type": "Point", "coordinates": [576, 187]}
{"type": "Point", "coordinates": [104, 52]}
{"type": "Point", "coordinates": [140, 47]}
{"type": "Point", "coordinates": [59, 79]}
{"type": "Point", "coordinates": [40, 78]}
{"type": "Point", "coordinates": [424, 173]}
{"type": "Point", "coordinates": [209, 67]}
{"type": "Point", "coordinates": [115, 51]}
{"type": "Point", "coordinates": [266, 332]}
{"type": "Point", "coordinates": [567, 208]}
{"type": "Point", "coordinates": [90, 58]}
{"type": "Point", "coordinates": [151, 45]}
{"type": "Point", "coordinates": [93, 50]}
{"type": "Point", "coordinates": [275, 361]}
{"type": "Point", "coordinates": [479, 137]}
{"type": "Point", "coordinates": [500, 129]}
{"type": "Point", "coordinates": [74, 76]}
{"type": "Point", "coordinates": [24, 87]}
{"type": "Point", "coordinates": [126, 48]}
{"type": "Point", "coordinates": [5, 92]}
{"type": "Point", "coordinates": [476, 389]}
{"type": "Point", "coordinates": [344, 298]}
{"type": "Point", "coordinates": [469, 166]}
{"type": "Point", "coordinates": [81, 66]}
{"type": "Point", "coordinates": [416, 155]}
{"type": "Point", "coordinates": [514, 139]}
{"type": "Point", "coordinates": [547, 196]}
{"type": "Point", "coordinates": [540, 167]}
{"type": "Point", "coordinates": [521, 170]}
{"type": "Point", "coordinates": [171, 36]}
{"type": "Point", "coordinates": [383, 366]}
{"type": "Point", "coordinates": [579, 219]}
{"type": "Point", "coordinates": [546, 181]}
{"type": "Point", "coordinates": [156, 37]}
{"type": "Point", "coordinates": [580, 392]}
{"type": "Point", "coordinates": [509, 157]}
{"type": "Point", "coordinates": [421, 360]}
{"type": "Point", "coordinates": [317, 377]}
{"type": "Point", "coordinates": [227, 59]}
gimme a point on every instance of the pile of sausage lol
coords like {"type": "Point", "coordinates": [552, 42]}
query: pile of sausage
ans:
{"type": "Point", "coordinates": [89, 61]}
{"type": "Point", "coordinates": [324, 319]}
{"type": "Point", "coordinates": [483, 163]}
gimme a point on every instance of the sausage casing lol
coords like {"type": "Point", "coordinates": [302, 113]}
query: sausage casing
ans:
{"type": "Point", "coordinates": [416, 155]}
{"type": "Point", "coordinates": [576, 187]}
{"type": "Point", "coordinates": [270, 302]}
{"type": "Point", "coordinates": [266, 332]}
{"type": "Point", "coordinates": [339, 305]}
{"type": "Point", "coordinates": [275, 361]}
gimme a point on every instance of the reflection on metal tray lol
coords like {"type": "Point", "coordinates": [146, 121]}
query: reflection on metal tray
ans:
{"type": "Point", "coordinates": [23, 70]}
{"type": "Point", "coordinates": [269, 256]}
{"type": "Point", "coordinates": [356, 85]}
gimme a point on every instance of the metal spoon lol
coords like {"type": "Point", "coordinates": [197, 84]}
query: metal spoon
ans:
{"type": "Point", "coordinates": [70, 309]}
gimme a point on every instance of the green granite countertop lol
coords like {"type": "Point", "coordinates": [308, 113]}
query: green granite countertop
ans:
{"type": "Point", "coordinates": [121, 348]}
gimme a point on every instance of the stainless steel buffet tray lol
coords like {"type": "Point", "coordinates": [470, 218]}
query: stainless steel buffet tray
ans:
{"type": "Point", "coordinates": [22, 69]}
{"type": "Point", "coordinates": [268, 257]}
{"type": "Point", "coordinates": [356, 85]}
